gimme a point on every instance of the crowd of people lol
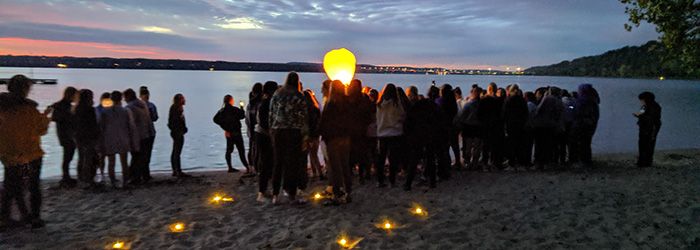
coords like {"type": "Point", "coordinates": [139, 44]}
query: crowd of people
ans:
{"type": "Point", "coordinates": [359, 131]}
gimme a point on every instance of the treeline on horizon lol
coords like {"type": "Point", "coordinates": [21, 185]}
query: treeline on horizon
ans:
{"type": "Point", "coordinates": [650, 60]}
{"type": "Point", "coordinates": [177, 64]}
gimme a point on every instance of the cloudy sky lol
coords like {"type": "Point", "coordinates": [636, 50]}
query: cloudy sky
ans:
{"type": "Point", "coordinates": [455, 34]}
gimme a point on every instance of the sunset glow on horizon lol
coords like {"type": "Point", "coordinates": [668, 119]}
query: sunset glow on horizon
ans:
{"type": "Point", "coordinates": [471, 35]}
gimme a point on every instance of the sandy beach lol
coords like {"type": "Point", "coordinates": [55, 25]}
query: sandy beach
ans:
{"type": "Point", "coordinates": [614, 206]}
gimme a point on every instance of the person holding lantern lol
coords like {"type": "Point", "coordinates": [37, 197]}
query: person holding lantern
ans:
{"type": "Point", "coordinates": [337, 128]}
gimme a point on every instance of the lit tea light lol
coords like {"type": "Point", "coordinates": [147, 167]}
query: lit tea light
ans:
{"type": "Point", "coordinates": [317, 196]}
{"type": "Point", "coordinates": [177, 227]}
{"type": "Point", "coordinates": [419, 211]}
{"type": "Point", "coordinates": [118, 245]}
{"type": "Point", "coordinates": [347, 242]}
{"type": "Point", "coordinates": [387, 225]}
{"type": "Point", "coordinates": [219, 198]}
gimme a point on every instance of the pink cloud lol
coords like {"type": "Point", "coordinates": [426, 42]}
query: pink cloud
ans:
{"type": "Point", "coordinates": [22, 46]}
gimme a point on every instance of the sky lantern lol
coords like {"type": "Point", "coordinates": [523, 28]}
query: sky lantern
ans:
{"type": "Point", "coordinates": [339, 64]}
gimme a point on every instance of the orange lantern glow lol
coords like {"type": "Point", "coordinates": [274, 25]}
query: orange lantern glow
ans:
{"type": "Point", "coordinates": [177, 227]}
{"type": "Point", "coordinates": [118, 245]}
{"type": "Point", "coordinates": [339, 64]}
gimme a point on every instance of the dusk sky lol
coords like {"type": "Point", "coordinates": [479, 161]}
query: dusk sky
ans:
{"type": "Point", "coordinates": [454, 34]}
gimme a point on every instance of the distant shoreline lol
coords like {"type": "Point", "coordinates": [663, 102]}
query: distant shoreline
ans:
{"type": "Point", "coordinates": [177, 64]}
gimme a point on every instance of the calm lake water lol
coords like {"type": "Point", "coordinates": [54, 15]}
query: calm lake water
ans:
{"type": "Point", "coordinates": [204, 90]}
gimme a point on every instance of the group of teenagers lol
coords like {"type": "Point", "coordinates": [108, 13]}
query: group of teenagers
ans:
{"type": "Point", "coordinates": [359, 128]}
{"type": "Point", "coordinates": [356, 128]}
{"type": "Point", "coordinates": [121, 124]}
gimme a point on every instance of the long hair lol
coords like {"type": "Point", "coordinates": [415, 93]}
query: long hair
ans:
{"type": "Point", "coordinates": [269, 89]}
{"type": "Point", "coordinates": [177, 99]}
{"type": "Point", "coordinates": [337, 92]}
{"type": "Point", "coordinates": [292, 81]}
{"type": "Point", "coordinates": [256, 92]}
{"type": "Point", "coordinates": [129, 95]}
{"type": "Point", "coordinates": [311, 98]}
{"type": "Point", "coordinates": [69, 93]}
{"type": "Point", "coordinates": [85, 98]}
{"type": "Point", "coordinates": [491, 90]}
{"type": "Point", "coordinates": [389, 94]}
{"type": "Point", "coordinates": [412, 93]}
{"type": "Point", "coordinates": [433, 93]}
{"type": "Point", "coordinates": [354, 90]}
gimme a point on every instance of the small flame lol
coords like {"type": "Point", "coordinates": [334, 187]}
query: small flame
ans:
{"type": "Point", "coordinates": [118, 245]}
{"type": "Point", "coordinates": [317, 196]}
{"type": "Point", "coordinates": [387, 225]}
{"type": "Point", "coordinates": [343, 242]}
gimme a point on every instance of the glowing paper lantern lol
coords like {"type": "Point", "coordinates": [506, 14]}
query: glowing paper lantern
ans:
{"type": "Point", "coordinates": [339, 64]}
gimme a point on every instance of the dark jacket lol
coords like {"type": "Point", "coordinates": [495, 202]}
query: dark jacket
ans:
{"type": "Point", "coordinates": [336, 120]}
{"type": "Point", "coordinates": [515, 112]}
{"type": "Point", "coordinates": [86, 123]}
{"type": "Point", "coordinates": [586, 111]}
{"type": "Point", "coordinates": [232, 118]}
{"type": "Point", "coordinates": [362, 112]}
{"type": "Point", "coordinates": [489, 113]}
{"type": "Point", "coordinates": [549, 114]}
{"type": "Point", "coordinates": [176, 121]}
{"type": "Point", "coordinates": [426, 123]}
{"type": "Point", "coordinates": [314, 121]}
{"type": "Point", "coordinates": [650, 120]}
{"type": "Point", "coordinates": [63, 116]}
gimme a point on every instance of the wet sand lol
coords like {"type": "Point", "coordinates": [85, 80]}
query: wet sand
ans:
{"type": "Point", "coordinates": [614, 206]}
